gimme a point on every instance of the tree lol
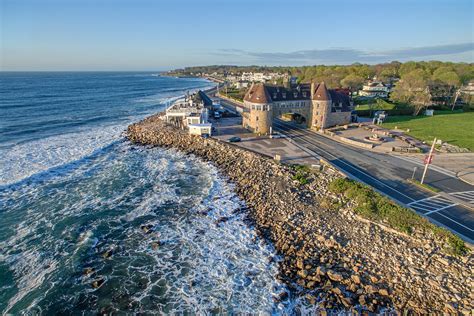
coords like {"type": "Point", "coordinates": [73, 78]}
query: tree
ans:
{"type": "Point", "coordinates": [413, 89]}
{"type": "Point", "coordinates": [448, 77]}
{"type": "Point", "coordinates": [353, 82]}
{"type": "Point", "coordinates": [421, 100]}
{"type": "Point", "coordinates": [407, 67]}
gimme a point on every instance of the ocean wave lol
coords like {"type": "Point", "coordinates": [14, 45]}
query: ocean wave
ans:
{"type": "Point", "coordinates": [26, 159]}
{"type": "Point", "coordinates": [157, 231]}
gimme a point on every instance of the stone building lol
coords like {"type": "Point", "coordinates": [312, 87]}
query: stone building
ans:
{"type": "Point", "coordinates": [311, 104]}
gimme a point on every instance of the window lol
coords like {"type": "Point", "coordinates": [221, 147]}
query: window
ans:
{"type": "Point", "coordinates": [295, 94]}
{"type": "Point", "coordinates": [283, 95]}
{"type": "Point", "coordinates": [256, 118]}
{"type": "Point", "coordinates": [304, 94]}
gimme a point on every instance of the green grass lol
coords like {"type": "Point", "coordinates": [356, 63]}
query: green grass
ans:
{"type": "Point", "coordinates": [234, 93]}
{"type": "Point", "coordinates": [454, 128]}
{"type": "Point", "coordinates": [375, 207]}
{"type": "Point", "coordinates": [423, 185]}
{"type": "Point", "coordinates": [380, 105]}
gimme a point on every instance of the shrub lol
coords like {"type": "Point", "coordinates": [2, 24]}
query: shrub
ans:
{"type": "Point", "coordinates": [375, 207]}
{"type": "Point", "coordinates": [302, 173]}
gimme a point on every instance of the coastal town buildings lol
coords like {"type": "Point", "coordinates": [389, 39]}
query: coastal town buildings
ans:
{"type": "Point", "coordinates": [311, 104]}
{"type": "Point", "coordinates": [468, 89]}
{"type": "Point", "coordinates": [190, 113]}
{"type": "Point", "coordinates": [374, 89]}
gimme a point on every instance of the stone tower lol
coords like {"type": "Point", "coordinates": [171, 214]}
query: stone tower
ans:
{"type": "Point", "coordinates": [258, 101]}
{"type": "Point", "coordinates": [321, 104]}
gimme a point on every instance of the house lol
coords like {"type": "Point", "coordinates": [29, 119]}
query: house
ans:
{"type": "Point", "coordinates": [374, 89]}
{"type": "Point", "coordinates": [200, 129]}
{"type": "Point", "coordinates": [190, 113]}
{"type": "Point", "coordinates": [241, 84]}
{"type": "Point", "coordinates": [468, 89]}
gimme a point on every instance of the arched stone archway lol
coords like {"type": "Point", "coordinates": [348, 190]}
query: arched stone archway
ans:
{"type": "Point", "coordinates": [294, 117]}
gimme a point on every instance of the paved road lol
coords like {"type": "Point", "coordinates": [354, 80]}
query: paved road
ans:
{"type": "Point", "coordinates": [388, 174]}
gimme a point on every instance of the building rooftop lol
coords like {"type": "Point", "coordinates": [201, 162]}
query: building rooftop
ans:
{"type": "Point", "coordinates": [257, 94]}
{"type": "Point", "coordinates": [321, 93]}
{"type": "Point", "coordinates": [264, 93]}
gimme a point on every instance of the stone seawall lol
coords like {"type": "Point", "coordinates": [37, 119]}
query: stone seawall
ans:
{"type": "Point", "coordinates": [331, 257]}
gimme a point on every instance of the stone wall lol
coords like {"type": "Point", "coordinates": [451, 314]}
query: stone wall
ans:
{"type": "Point", "coordinates": [329, 256]}
{"type": "Point", "coordinates": [258, 121]}
{"type": "Point", "coordinates": [338, 118]}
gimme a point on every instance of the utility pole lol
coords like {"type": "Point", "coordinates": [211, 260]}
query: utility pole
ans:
{"type": "Point", "coordinates": [428, 161]}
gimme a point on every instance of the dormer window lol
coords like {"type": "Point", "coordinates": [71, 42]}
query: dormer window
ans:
{"type": "Point", "coordinates": [274, 95]}
{"type": "Point", "coordinates": [304, 94]}
{"type": "Point", "coordinates": [283, 94]}
{"type": "Point", "coordinates": [295, 94]}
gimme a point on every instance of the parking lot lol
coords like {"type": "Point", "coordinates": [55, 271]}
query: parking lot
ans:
{"type": "Point", "coordinates": [225, 128]}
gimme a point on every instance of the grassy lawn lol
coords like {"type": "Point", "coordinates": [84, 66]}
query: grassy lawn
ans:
{"type": "Point", "coordinates": [234, 94]}
{"type": "Point", "coordinates": [454, 128]}
{"type": "Point", "coordinates": [379, 105]}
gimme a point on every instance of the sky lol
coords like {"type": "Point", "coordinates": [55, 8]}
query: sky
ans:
{"type": "Point", "coordinates": [161, 35]}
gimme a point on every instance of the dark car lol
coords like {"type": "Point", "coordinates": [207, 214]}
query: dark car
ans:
{"type": "Point", "coordinates": [234, 139]}
{"type": "Point", "coordinates": [205, 135]}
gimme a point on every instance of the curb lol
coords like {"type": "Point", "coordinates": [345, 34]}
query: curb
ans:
{"type": "Point", "coordinates": [462, 179]}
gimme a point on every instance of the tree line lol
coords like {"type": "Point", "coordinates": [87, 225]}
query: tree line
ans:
{"type": "Point", "coordinates": [417, 83]}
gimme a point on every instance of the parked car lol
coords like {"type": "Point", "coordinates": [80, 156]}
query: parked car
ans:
{"type": "Point", "coordinates": [277, 135]}
{"type": "Point", "coordinates": [205, 135]}
{"type": "Point", "coordinates": [234, 139]}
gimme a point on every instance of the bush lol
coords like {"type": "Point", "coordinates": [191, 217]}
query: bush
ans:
{"type": "Point", "coordinates": [375, 207]}
{"type": "Point", "coordinates": [301, 174]}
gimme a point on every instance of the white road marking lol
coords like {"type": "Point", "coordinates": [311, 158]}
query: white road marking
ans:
{"type": "Point", "coordinates": [431, 197]}
{"type": "Point", "coordinates": [432, 204]}
{"type": "Point", "coordinates": [440, 209]}
{"type": "Point", "coordinates": [470, 229]}
{"type": "Point", "coordinates": [420, 163]}
{"type": "Point", "coordinates": [353, 167]}
{"type": "Point", "coordinates": [467, 196]}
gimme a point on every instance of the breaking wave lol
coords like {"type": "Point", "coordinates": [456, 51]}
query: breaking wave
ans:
{"type": "Point", "coordinates": [132, 229]}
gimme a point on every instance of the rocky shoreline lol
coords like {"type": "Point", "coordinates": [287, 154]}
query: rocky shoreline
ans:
{"type": "Point", "coordinates": [332, 257]}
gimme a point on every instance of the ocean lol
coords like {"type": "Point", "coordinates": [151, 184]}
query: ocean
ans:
{"type": "Point", "coordinates": [91, 223]}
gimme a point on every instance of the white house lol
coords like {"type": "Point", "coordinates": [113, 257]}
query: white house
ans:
{"type": "Point", "coordinates": [374, 88]}
{"type": "Point", "coordinates": [186, 113]}
{"type": "Point", "coordinates": [200, 129]}
{"type": "Point", "coordinates": [468, 89]}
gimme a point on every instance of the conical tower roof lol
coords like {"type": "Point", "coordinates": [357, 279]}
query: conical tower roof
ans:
{"type": "Point", "coordinates": [321, 93]}
{"type": "Point", "coordinates": [258, 94]}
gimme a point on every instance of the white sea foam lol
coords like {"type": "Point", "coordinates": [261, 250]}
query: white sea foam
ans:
{"type": "Point", "coordinates": [27, 159]}
{"type": "Point", "coordinates": [207, 259]}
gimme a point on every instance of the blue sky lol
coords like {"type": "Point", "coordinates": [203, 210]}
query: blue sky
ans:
{"type": "Point", "coordinates": [159, 35]}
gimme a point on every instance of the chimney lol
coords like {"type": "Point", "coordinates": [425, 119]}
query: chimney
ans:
{"type": "Point", "coordinates": [312, 89]}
